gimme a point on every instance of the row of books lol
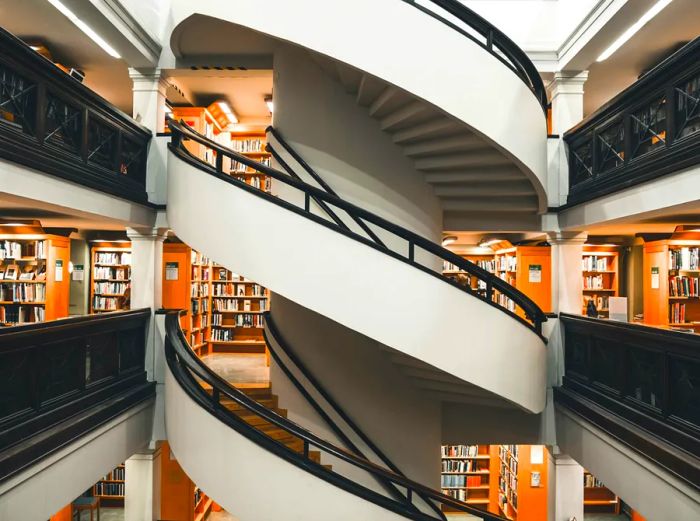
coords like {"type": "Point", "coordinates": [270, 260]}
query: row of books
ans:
{"type": "Point", "coordinates": [107, 273]}
{"type": "Point", "coordinates": [514, 450]}
{"type": "Point", "coordinates": [13, 273]}
{"type": "Point", "coordinates": [247, 145]}
{"type": "Point", "coordinates": [100, 303]}
{"type": "Point", "coordinates": [453, 481]}
{"type": "Point", "coordinates": [201, 273]}
{"type": "Point", "coordinates": [222, 335]}
{"type": "Point", "coordinates": [118, 474]}
{"type": "Point", "coordinates": [12, 314]}
{"type": "Point", "coordinates": [18, 250]}
{"type": "Point", "coordinates": [456, 465]}
{"type": "Point", "coordinates": [199, 306]}
{"type": "Point", "coordinates": [204, 321]}
{"type": "Point", "coordinates": [593, 282]}
{"type": "Point", "coordinates": [23, 292]}
{"type": "Point", "coordinates": [109, 489]}
{"type": "Point", "coordinates": [459, 451]}
{"type": "Point", "coordinates": [684, 286]}
{"type": "Point", "coordinates": [590, 481]}
{"type": "Point", "coordinates": [507, 263]}
{"type": "Point", "coordinates": [594, 263]}
{"type": "Point", "coordinates": [110, 288]}
{"type": "Point", "coordinates": [106, 257]}
{"type": "Point", "coordinates": [241, 320]}
{"type": "Point", "coordinates": [231, 304]}
{"type": "Point", "coordinates": [601, 302]}
{"type": "Point", "coordinates": [256, 182]}
{"type": "Point", "coordinates": [677, 313]}
{"type": "Point", "coordinates": [504, 301]}
{"type": "Point", "coordinates": [460, 494]}
{"type": "Point", "coordinates": [198, 258]}
{"type": "Point", "coordinates": [199, 289]}
{"type": "Point", "coordinates": [229, 290]}
{"type": "Point", "coordinates": [684, 259]}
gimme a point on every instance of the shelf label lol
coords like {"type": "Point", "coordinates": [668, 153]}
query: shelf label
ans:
{"type": "Point", "coordinates": [58, 273]}
{"type": "Point", "coordinates": [534, 273]}
{"type": "Point", "coordinates": [78, 272]}
{"type": "Point", "coordinates": [172, 271]}
{"type": "Point", "coordinates": [654, 277]}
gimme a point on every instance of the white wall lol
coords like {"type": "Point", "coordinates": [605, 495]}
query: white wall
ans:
{"type": "Point", "coordinates": [240, 475]}
{"type": "Point", "coordinates": [361, 378]}
{"type": "Point", "coordinates": [347, 148]}
{"type": "Point", "coordinates": [413, 52]}
{"type": "Point", "coordinates": [358, 286]}
{"type": "Point", "coordinates": [45, 488]}
{"type": "Point", "coordinates": [642, 484]}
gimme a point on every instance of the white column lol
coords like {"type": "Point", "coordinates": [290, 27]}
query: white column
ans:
{"type": "Point", "coordinates": [149, 98]}
{"type": "Point", "coordinates": [149, 92]}
{"type": "Point", "coordinates": [567, 99]}
{"type": "Point", "coordinates": [142, 487]}
{"type": "Point", "coordinates": [566, 93]}
{"type": "Point", "coordinates": [565, 489]}
{"type": "Point", "coordinates": [147, 280]}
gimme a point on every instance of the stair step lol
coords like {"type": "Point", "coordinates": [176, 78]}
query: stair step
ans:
{"type": "Point", "coordinates": [471, 175]}
{"type": "Point", "coordinates": [382, 100]}
{"type": "Point", "coordinates": [458, 161]}
{"type": "Point", "coordinates": [502, 189]}
{"type": "Point", "coordinates": [368, 90]}
{"type": "Point", "coordinates": [349, 77]}
{"type": "Point", "coordinates": [412, 112]}
{"type": "Point", "coordinates": [439, 127]}
{"type": "Point", "coordinates": [270, 403]}
{"type": "Point", "coordinates": [491, 204]}
{"type": "Point", "coordinates": [458, 143]}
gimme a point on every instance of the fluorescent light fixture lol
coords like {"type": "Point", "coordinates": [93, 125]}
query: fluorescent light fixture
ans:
{"type": "Point", "coordinates": [13, 224]}
{"type": "Point", "coordinates": [85, 28]}
{"type": "Point", "coordinates": [226, 109]}
{"type": "Point", "coordinates": [450, 239]}
{"type": "Point", "coordinates": [270, 104]}
{"type": "Point", "coordinates": [651, 13]}
{"type": "Point", "coordinates": [488, 243]}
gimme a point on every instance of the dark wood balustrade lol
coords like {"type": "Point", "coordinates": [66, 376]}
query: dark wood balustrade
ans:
{"type": "Point", "coordinates": [63, 378]}
{"type": "Point", "coordinates": [649, 130]}
{"type": "Point", "coordinates": [54, 124]}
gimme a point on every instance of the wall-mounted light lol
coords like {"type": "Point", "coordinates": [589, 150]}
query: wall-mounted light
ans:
{"type": "Point", "coordinates": [85, 28]}
{"type": "Point", "coordinates": [629, 33]}
{"type": "Point", "coordinates": [487, 243]}
{"type": "Point", "coordinates": [449, 239]}
{"type": "Point", "coordinates": [269, 103]}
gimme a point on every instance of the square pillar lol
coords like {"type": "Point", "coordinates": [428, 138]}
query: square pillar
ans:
{"type": "Point", "coordinates": [566, 91]}
{"type": "Point", "coordinates": [565, 488]}
{"type": "Point", "coordinates": [142, 487]}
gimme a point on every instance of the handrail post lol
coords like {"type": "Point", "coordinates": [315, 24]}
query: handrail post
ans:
{"type": "Point", "coordinates": [219, 163]}
{"type": "Point", "coordinates": [306, 449]}
{"type": "Point", "coordinates": [489, 290]}
{"type": "Point", "coordinates": [411, 251]}
{"type": "Point", "coordinates": [215, 396]}
{"type": "Point", "coordinates": [307, 202]}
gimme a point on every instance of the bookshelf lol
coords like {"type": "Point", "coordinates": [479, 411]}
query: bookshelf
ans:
{"type": "Point", "coordinates": [486, 262]}
{"type": "Point", "coordinates": [203, 121]}
{"type": "Point", "coordinates": [34, 278]}
{"type": "Point", "coordinates": [252, 145]}
{"type": "Point", "coordinates": [187, 285]}
{"type": "Point", "coordinates": [111, 487]}
{"type": "Point", "coordinates": [466, 473]}
{"type": "Point", "coordinates": [110, 289]}
{"type": "Point", "coordinates": [671, 283]}
{"type": "Point", "coordinates": [597, 498]}
{"type": "Point", "coordinates": [508, 480]}
{"type": "Point", "coordinates": [600, 271]}
{"type": "Point", "coordinates": [528, 269]}
{"type": "Point", "coordinates": [237, 307]}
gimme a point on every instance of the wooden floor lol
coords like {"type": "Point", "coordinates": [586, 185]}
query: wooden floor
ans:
{"type": "Point", "coordinates": [241, 370]}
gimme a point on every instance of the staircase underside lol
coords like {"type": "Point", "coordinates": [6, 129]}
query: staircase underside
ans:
{"type": "Point", "coordinates": [474, 180]}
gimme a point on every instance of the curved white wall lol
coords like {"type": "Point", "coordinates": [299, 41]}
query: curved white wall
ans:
{"type": "Point", "coordinates": [236, 472]}
{"type": "Point", "coordinates": [410, 50]}
{"type": "Point", "coordinates": [359, 287]}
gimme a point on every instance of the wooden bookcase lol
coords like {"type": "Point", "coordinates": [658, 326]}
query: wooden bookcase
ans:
{"type": "Point", "coordinates": [202, 121]}
{"type": "Point", "coordinates": [671, 279]}
{"type": "Point", "coordinates": [236, 313]}
{"type": "Point", "coordinates": [110, 489]}
{"type": "Point", "coordinates": [35, 282]}
{"type": "Point", "coordinates": [508, 480]}
{"type": "Point", "coordinates": [110, 288]}
{"type": "Point", "coordinates": [597, 498]}
{"type": "Point", "coordinates": [252, 145]}
{"type": "Point", "coordinates": [600, 267]}
{"type": "Point", "coordinates": [467, 472]}
{"type": "Point", "coordinates": [529, 269]}
{"type": "Point", "coordinates": [187, 285]}
{"type": "Point", "coordinates": [486, 262]}
{"type": "Point", "coordinates": [520, 495]}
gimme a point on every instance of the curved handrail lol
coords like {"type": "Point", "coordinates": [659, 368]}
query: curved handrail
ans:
{"type": "Point", "coordinates": [179, 132]}
{"type": "Point", "coordinates": [187, 367]}
{"type": "Point", "coordinates": [320, 389]}
{"type": "Point", "coordinates": [316, 177]}
{"type": "Point", "coordinates": [495, 42]}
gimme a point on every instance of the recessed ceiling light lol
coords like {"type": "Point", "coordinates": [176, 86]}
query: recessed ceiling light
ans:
{"type": "Point", "coordinates": [85, 28]}
{"type": "Point", "coordinates": [12, 224]}
{"type": "Point", "coordinates": [226, 109]}
{"type": "Point", "coordinates": [651, 13]}
{"type": "Point", "coordinates": [449, 239]}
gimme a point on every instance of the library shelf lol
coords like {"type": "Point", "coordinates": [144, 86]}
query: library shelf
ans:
{"type": "Point", "coordinates": [600, 271]}
{"type": "Point", "coordinates": [110, 263]}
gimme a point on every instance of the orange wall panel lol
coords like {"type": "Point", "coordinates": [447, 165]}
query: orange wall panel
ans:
{"type": "Point", "coordinates": [63, 515]}
{"type": "Point", "coordinates": [176, 488]}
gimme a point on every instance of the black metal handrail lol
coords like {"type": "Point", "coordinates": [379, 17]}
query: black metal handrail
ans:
{"type": "Point", "coordinates": [56, 125]}
{"type": "Point", "coordinates": [321, 390]}
{"type": "Point", "coordinates": [531, 310]}
{"type": "Point", "coordinates": [492, 39]}
{"type": "Point", "coordinates": [190, 372]}
{"type": "Point", "coordinates": [315, 176]}
{"type": "Point", "coordinates": [63, 378]}
{"type": "Point", "coordinates": [650, 129]}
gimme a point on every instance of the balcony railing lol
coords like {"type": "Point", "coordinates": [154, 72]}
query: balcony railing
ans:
{"type": "Point", "coordinates": [631, 374]}
{"type": "Point", "coordinates": [64, 378]}
{"type": "Point", "coordinates": [52, 123]}
{"type": "Point", "coordinates": [649, 130]}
